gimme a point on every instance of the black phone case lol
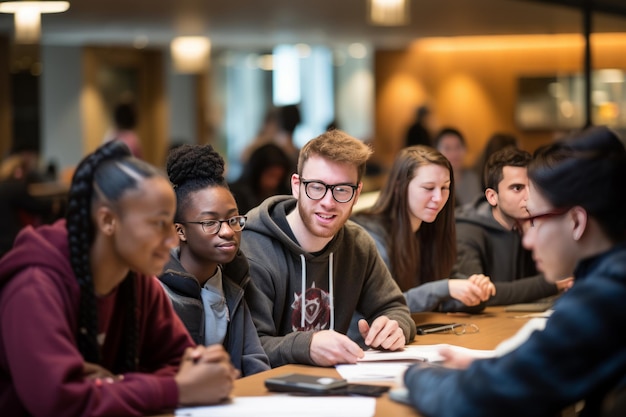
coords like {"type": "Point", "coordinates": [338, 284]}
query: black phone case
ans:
{"type": "Point", "coordinates": [304, 383]}
{"type": "Point", "coordinates": [301, 384]}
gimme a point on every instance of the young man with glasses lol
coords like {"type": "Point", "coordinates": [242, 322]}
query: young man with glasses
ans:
{"type": "Point", "coordinates": [312, 268]}
{"type": "Point", "coordinates": [490, 243]}
{"type": "Point", "coordinates": [578, 360]}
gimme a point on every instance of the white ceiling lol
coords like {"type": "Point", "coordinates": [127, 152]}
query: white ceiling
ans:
{"type": "Point", "coordinates": [263, 23]}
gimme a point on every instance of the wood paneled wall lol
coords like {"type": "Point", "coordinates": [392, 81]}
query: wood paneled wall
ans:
{"type": "Point", "coordinates": [471, 83]}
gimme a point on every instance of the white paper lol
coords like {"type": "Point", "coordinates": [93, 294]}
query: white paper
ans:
{"type": "Point", "coordinates": [423, 353]}
{"type": "Point", "coordinates": [286, 405]}
{"type": "Point", "coordinates": [374, 371]}
{"type": "Point", "coordinates": [387, 366]}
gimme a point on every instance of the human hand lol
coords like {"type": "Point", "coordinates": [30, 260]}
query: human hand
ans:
{"type": "Point", "coordinates": [383, 333]}
{"type": "Point", "coordinates": [565, 284]}
{"type": "Point", "coordinates": [330, 348]}
{"type": "Point", "coordinates": [473, 290]}
{"type": "Point", "coordinates": [456, 359]}
{"type": "Point", "coordinates": [484, 283]}
{"type": "Point", "coordinates": [95, 371]}
{"type": "Point", "coordinates": [205, 376]}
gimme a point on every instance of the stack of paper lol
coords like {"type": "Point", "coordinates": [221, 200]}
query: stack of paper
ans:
{"type": "Point", "coordinates": [378, 365]}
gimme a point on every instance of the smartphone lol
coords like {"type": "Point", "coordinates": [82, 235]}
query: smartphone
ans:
{"type": "Point", "coordinates": [427, 328]}
{"type": "Point", "coordinates": [366, 390]}
{"type": "Point", "coordinates": [295, 382]}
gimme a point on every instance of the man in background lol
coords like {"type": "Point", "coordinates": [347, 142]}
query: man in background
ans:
{"type": "Point", "coordinates": [488, 240]}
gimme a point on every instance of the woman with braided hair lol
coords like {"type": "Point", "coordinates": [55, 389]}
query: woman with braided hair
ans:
{"type": "Point", "coordinates": [85, 329]}
{"type": "Point", "coordinates": [206, 275]}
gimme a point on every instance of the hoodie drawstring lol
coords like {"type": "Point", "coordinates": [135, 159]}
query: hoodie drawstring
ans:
{"type": "Point", "coordinates": [302, 293]}
{"type": "Point", "coordinates": [331, 293]}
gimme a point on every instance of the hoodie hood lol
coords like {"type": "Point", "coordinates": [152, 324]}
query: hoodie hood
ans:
{"type": "Point", "coordinates": [45, 247]}
{"type": "Point", "coordinates": [478, 213]}
{"type": "Point", "coordinates": [269, 220]}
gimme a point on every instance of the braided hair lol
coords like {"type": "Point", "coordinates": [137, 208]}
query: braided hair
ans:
{"type": "Point", "coordinates": [192, 168]}
{"type": "Point", "coordinates": [106, 174]}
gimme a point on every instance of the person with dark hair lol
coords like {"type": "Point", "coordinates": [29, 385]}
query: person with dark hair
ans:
{"type": "Point", "coordinates": [575, 222]}
{"type": "Point", "coordinates": [313, 268]}
{"type": "Point", "coordinates": [495, 142]}
{"type": "Point", "coordinates": [288, 120]}
{"type": "Point", "coordinates": [124, 126]}
{"type": "Point", "coordinates": [451, 143]}
{"type": "Point", "coordinates": [417, 133]}
{"type": "Point", "coordinates": [488, 241]}
{"type": "Point", "coordinates": [265, 174]}
{"type": "Point", "coordinates": [85, 328]}
{"type": "Point", "coordinates": [210, 302]}
{"type": "Point", "coordinates": [412, 223]}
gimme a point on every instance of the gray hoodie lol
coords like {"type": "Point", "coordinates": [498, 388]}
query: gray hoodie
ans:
{"type": "Point", "coordinates": [348, 275]}
{"type": "Point", "coordinates": [484, 246]}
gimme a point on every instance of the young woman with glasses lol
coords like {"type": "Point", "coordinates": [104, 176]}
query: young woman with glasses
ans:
{"type": "Point", "coordinates": [576, 222]}
{"type": "Point", "coordinates": [208, 300]}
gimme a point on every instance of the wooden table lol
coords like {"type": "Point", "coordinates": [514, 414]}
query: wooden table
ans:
{"type": "Point", "coordinates": [494, 325]}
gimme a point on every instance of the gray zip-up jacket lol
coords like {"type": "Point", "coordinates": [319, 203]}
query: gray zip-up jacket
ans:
{"type": "Point", "coordinates": [242, 341]}
{"type": "Point", "coordinates": [296, 293]}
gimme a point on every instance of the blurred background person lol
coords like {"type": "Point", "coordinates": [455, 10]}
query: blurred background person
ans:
{"type": "Point", "coordinates": [124, 126]}
{"type": "Point", "coordinates": [265, 174]}
{"type": "Point", "coordinates": [451, 143]}
{"type": "Point", "coordinates": [18, 207]}
{"type": "Point", "coordinates": [418, 133]}
{"type": "Point", "coordinates": [267, 134]}
{"type": "Point", "coordinates": [288, 120]}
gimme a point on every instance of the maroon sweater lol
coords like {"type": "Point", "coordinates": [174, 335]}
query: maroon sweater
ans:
{"type": "Point", "coordinates": [41, 368]}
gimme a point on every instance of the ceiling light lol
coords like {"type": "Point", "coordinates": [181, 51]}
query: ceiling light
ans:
{"type": "Point", "coordinates": [28, 16]}
{"type": "Point", "coordinates": [190, 54]}
{"type": "Point", "coordinates": [389, 12]}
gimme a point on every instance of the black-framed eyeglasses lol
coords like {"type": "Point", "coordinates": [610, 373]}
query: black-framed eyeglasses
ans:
{"type": "Point", "coordinates": [456, 328]}
{"type": "Point", "coordinates": [524, 223]}
{"type": "Point", "coordinates": [212, 227]}
{"type": "Point", "coordinates": [316, 190]}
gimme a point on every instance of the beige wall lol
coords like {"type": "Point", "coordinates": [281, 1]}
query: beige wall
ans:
{"type": "Point", "coordinates": [151, 103]}
{"type": "Point", "coordinates": [471, 83]}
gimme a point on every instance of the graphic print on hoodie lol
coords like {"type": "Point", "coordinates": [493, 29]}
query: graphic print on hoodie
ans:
{"type": "Point", "coordinates": [316, 308]}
